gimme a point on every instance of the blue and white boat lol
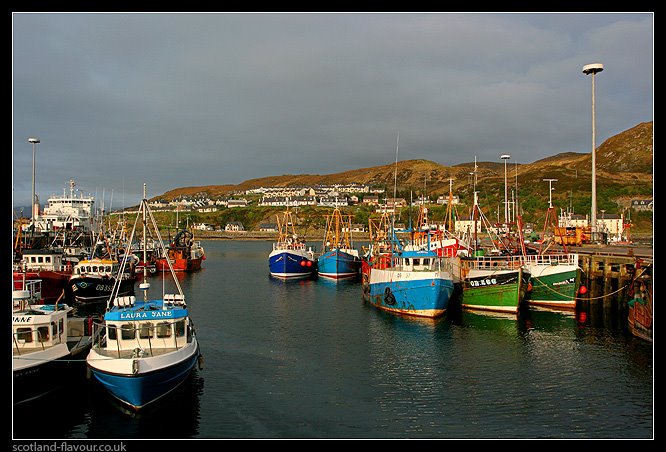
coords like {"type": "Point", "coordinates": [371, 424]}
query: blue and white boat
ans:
{"type": "Point", "coordinates": [290, 258]}
{"type": "Point", "coordinates": [339, 259]}
{"type": "Point", "coordinates": [415, 282]}
{"type": "Point", "coordinates": [145, 348]}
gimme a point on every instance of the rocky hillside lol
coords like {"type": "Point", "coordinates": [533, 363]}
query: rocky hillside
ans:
{"type": "Point", "coordinates": [624, 164]}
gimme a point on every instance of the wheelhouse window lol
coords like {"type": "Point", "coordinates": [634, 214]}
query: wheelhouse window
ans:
{"type": "Point", "coordinates": [146, 330]}
{"type": "Point", "coordinates": [127, 331]}
{"type": "Point", "coordinates": [43, 333]}
{"type": "Point", "coordinates": [180, 328]}
{"type": "Point", "coordinates": [24, 334]}
{"type": "Point", "coordinates": [111, 332]}
{"type": "Point", "coordinates": [163, 329]}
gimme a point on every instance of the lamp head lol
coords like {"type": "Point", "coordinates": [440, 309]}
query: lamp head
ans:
{"type": "Point", "coordinates": [592, 68]}
{"type": "Point", "coordinates": [33, 140]}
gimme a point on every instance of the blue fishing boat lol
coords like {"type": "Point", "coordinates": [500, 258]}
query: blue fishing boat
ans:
{"type": "Point", "coordinates": [410, 280]}
{"type": "Point", "coordinates": [290, 258]}
{"type": "Point", "coordinates": [339, 259]}
{"type": "Point", "coordinates": [145, 348]}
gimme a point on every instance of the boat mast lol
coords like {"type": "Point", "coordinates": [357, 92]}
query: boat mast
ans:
{"type": "Point", "coordinates": [145, 254]}
{"type": "Point", "coordinates": [475, 208]}
{"type": "Point", "coordinates": [395, 182]}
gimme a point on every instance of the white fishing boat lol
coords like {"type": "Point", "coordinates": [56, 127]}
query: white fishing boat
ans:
{"type": "Point", "coordinates": [146, 348]}
{"type": "Point", "coordinates": [48, 344]}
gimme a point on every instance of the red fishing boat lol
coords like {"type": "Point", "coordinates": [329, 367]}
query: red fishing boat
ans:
{"type": "Point", "coordinates": [184, 254]}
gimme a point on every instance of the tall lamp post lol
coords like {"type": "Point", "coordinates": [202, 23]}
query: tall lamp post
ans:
{"type": "Point", "coordinates": [587, 70]}
{"type": "Point", "coordinates": [505, 157]}
{"type": "Point", "coordinates": [34, 142]}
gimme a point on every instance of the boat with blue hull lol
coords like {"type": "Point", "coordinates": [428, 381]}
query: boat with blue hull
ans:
{"type": "Point", "coordinates": [339, 259]}
{"type": "Point", "coordinates": [150, 348]}
{"type": "Point", "coordinates": [417, 283]}
{"type": "Point", "coordinates": [145, 348]}
{"type": "Point", "coordinates": [412, 279]}
{"type": "Point", "coordinates": [290, 257]}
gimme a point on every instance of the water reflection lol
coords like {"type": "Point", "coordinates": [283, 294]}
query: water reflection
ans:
{"type": "Point", "coordinates": [176, 415]}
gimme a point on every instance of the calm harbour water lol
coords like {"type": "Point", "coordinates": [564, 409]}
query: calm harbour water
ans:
{"type": "Point", "coordinates": [311, 360]}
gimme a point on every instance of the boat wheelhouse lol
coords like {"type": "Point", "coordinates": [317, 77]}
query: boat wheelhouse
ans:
{"type": "Point", "coordinates": [47, 343]}
{"type": "Point", "coordinates": [93, 280]}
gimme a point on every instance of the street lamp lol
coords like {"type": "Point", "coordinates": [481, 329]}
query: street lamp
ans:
{"type": "Point", "coordinates": [505, 157]}
{"type": "Point", "coordinates": [587, 70]}
{"type": "Point", "coordinates": [34, 141]}
{"type": "Point", "coordinates": [550, 192]}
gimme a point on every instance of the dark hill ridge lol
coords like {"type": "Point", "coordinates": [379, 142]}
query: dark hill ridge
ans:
{"type": "Point", "coordinates": [625, 159]}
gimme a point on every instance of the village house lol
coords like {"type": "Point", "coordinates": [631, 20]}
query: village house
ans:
{"type": "Point", "coordinates": [237, 203]}
{"type": "Point", "coordinates": [234, 226]}
{"type": "Point", "coordinates": [268, 227]}
{"type": "Point", "coordinates": [642, 204]}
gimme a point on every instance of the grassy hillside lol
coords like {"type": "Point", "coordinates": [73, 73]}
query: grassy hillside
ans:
{"type": "Point", "coordinates": [625, 164]}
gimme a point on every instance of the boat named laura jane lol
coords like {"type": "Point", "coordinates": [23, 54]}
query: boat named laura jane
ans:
{"type": "Point", "coordinates": [148, 349]}
{"type": "Point", "coordinates": [145, 348]}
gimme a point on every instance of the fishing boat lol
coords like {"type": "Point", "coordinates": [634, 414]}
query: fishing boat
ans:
{"type": "Point", "coordinates": [492, 280]}
{"type": "Point", "coordinates": [339, 258]}
{"type": "Point", "coordinates": [555, 275]}
{"type": "Point", "coordinates": [184, 254]}
{"type": "Point", "coordinates": [145, 348]}
{"type": "Point", "coordinates": [640, 316]}
{"type": "Point", "coordinates": [47, 265]}
{"type": "Point", "coordinates": [93, 280]}
{"type": "Point", "coordinates": [555, 279]}
{"type": "Point", "coordinates": [49, 345]}
{"type": "Point", "coordinates": [409, 280]}
{"type": "Point", "coordinates": [378, 252]}
{"type": "Point", "coordinates": [493, 283]}
{"type": "Point", "coordinates": [290, 257]}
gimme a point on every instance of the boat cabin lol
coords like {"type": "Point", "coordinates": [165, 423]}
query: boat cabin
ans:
{"type": "Point", "coordinates": [102, 267]}
{"type": "Point", "coordinates": [26, 292]}
{"type": "Point", "coordinates": [141, 328]}
{"type": "Point", "coordinates": [417, 261]}
{"type": "Point", "coordinates": [37, 259]}
{"type": "Point", "coordinates": [39, 328]}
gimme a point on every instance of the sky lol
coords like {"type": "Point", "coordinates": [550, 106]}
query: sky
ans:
{"type": "Point", "coordinates": [191, 99]}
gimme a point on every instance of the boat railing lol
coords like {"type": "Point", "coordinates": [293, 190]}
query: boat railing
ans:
{"type": "Point", "coordinates": [288, 246]}
{"type": "Point", "coordinates": [552, 259]}
{"type": "Point", "coordinates": [494, 262]}
{"type": "Point", "coordinates": [24, 339]}
{"type": "Point", "coordinates": [424, 264]}
{"type": "Point", "coordinates": [150, 338]}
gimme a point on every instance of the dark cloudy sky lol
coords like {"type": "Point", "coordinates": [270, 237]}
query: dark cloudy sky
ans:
{"type": "Point", "coordinates": [184, 99]}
